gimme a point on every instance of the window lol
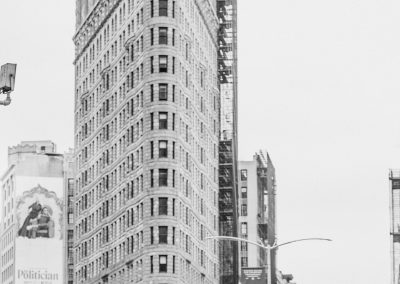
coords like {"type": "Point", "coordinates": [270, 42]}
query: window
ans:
{"type": "Point", "coordinates": [243, 246]}
{"type": "Point", "coordinates": [162, 206]}
{"type": "Point", "coordinates": [163, 8]}
{"type": "Point", "coordinates": [70, 218]}
{"type": "Point", "coordinates": [173, 9]}
{"type": "Point", "coordinates": [163, 92]}
{"type": "Point", "coordinates": [163, 120]}
{"type": "Point", "coordinates": [151, 264]}
{"type": "Point", "coordinates": [151, 121]}
{"type": "Point", "coordinates": [151, 92]}
{"type": "Point", "coordinates": [151, 235]}
{"type": "Point", "coordinates": [163, 263]}
{"type": "Point", "coordinates": [163, 235]}
{"type": "Point", "coordinates": [151, 150]}
{"type": "Point", "coordinates": [152, 8]}
{"type": "Point", "coordinates": [243, 174]}
{"type": "Point", "coordinates": [152, 207]}
{"type": "Point", "coordinates": [244, 192]}
{"type": "Point", "coordinates": [151, 178]}
{"type": "Point", "coordinates": [163, 177]}
{"type": "Point", "coordinates": [244, 261]}
{"type": "Point", "coordinates": [173, 36]}
{"type": "Point", "coordinates": [244, 228]}
{"type": "Point", "coordinates": [244, 210]}
{"type": "Point", "coordinates": [152, 64]}
{"type": "Point", "coordinates": [151, 36]}
{"type": "Point", "coordinates": [162, 35]}
{"type": "Point", "coordinates": [163, 149]}
{"type": "Point", "coordinates": [163, 63]}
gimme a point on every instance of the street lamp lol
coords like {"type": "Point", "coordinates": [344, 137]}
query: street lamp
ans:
{"type": "Point", "coordinates": [7, 81]}
{"type": "Point", "coordinates": [267, 247]}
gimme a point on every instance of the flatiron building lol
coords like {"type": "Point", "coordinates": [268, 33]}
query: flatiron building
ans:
{"type": "Point", "coordinates": [147, 141]}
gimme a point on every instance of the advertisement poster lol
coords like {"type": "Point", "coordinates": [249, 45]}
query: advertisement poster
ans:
{"type": "Point", "coordinates": [39, 240]}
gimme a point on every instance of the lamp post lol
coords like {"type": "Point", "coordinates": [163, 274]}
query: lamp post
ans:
{"type": "Point", "coordinates": [7, 81]}
{"type": "Point", "coordinates": [267, 248]}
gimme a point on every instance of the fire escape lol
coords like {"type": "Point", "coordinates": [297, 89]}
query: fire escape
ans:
{"type": "Point", "coordinates": [228, 192]}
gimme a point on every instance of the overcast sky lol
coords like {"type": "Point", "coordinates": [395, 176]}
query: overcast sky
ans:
{"type": "Point", "coordinates": [318, 88]}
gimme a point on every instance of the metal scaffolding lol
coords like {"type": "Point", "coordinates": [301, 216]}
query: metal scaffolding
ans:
{"type": "Point", "coordinates": [228, 184]}
{"type": "Point", "coordinates": [394, 181]}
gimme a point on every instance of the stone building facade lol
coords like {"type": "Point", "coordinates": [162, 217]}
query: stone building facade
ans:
{"type": "Point", "coordinates": [146, 138]}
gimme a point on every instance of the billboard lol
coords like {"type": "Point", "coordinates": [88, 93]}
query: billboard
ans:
{"type": "Point", "coordinates": [253, 275]}
{"type": "Point", "coordinates": [39, 239]}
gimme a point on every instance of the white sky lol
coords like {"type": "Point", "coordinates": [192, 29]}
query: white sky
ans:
{"type": "Point", "coordinates": [318, 89]}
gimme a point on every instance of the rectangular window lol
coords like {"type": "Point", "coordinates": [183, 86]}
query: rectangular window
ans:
{"type": "Point", "coordinates": [163, 263]}
{"type": "Point", "coordinates": [173, 121]}
{"type": "Point", "coordinates": [173, 234]}
{"type": "Point", "coordinates": [244, 210]}
{"type": "Point", "coordinates": [151, 92]}
{"type": "Point", "coordinates": [173, 93]}
{"type": "Point", "coordinates": [151, 150]}
{"type": "Point", "coordinates": [173, 65]}
{"type": "Point", "coordinates": [173, 9]}
{"type": "Point", "coordinates": [70, 218]}
{"type": "Point", "coordinates": [243, 174]}
{"type": "Point", "coordinates": [173, 150]}
{"type": "Point", "coordinates": [152, 207]}
{"type": "Point", "coordinates": [163, 92]}
{"type": "Point", "coordinates": [151, 36]}
{"type": "Point", "coordinates": [152, 8]}
{"type": "Point", "coordinates": [152, 64]}
{"type": "Point", "coordinates": [151, 121]}
{"type": "Point", "coordinates": [163, 63]}
{"type": "Point", "coordinates": [244, 192]}
{"type": "Point", "coordinates": [163, 120]}
{"type": "Point", "coordinates": [163, 149]}
{"type": "Point", "coordinates": [151, 264]}
{"type": "Point", "coordinates": [162, 35]}
{"type": "Point", "coordinates": [163, 8]}
{"type": "Point", "coordinates": [243, 246]}
{"type": "Point", "coordinates": [151, 235]}
{"type": "Point", "coordinates": [151, 178]}
{"type": "Point", "coordinates": [244, 228]}
{"type": "Point", "coordinates": [173, 264]}
{"type": "Point", "coordinates": [163, 235]}
{"type": "Point", "coordinates": [244, 261]}
{"type": "Point", "coordinates": [173, 37]}
{"type": "Point", "coordinates": [163, 177]}
{"type": "Point", "coordinates": [162, 206]}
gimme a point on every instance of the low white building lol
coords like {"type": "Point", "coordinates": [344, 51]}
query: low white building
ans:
{"type": "Point", "coordinates": [32, 214]}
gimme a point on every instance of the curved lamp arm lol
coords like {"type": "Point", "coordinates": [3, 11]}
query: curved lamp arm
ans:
{"type": "Point", "coordinates": [300, 240]}
{"type": "Point", "coordinates": [237, 239]}
{"type": "Point", "coordinates": [266, 247]}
